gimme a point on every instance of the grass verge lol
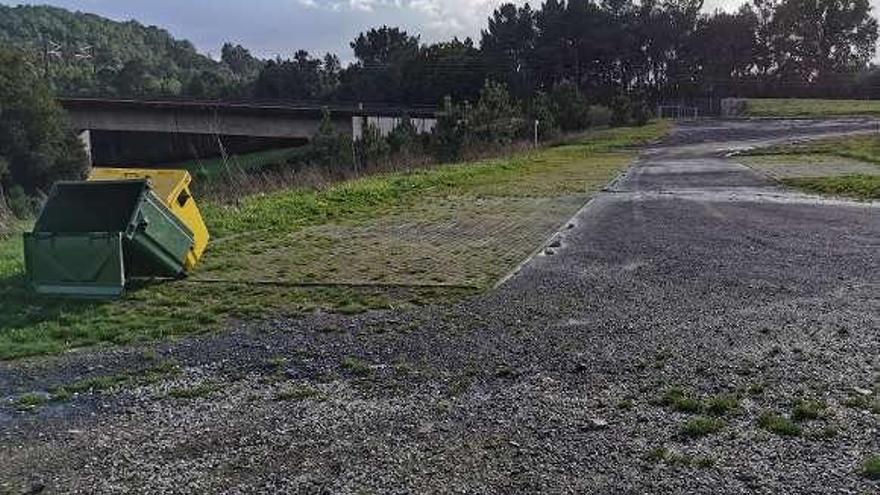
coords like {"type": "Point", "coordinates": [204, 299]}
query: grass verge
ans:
{"type": "Point", "coordinates": [808, 107]}
{"type": "Point", "coordinates": [863, 187]}
{"type": "Point", "coordinates": [267, 244]}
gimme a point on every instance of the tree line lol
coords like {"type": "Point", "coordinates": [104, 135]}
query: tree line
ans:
{"type": "Point", "coordinates": [659, 49]}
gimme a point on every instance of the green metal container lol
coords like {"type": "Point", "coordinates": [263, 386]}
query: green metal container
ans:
{"type": "Point", "coordinates": [91, 236]}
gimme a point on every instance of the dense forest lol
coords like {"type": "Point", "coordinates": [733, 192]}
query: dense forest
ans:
{"type": "Point", "coordinates": [656, 49]}
{"type": "Point", "coordinates": [85, 54]}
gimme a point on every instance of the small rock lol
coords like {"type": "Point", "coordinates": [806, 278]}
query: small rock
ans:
{"type": "Point", "coordinates": [596, 424]}
{"type": "Point", "coordinates": [862, 391]}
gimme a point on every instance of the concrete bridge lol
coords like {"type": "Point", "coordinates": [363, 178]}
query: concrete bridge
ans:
{"type": "Point", "coordinates": [263, 120]}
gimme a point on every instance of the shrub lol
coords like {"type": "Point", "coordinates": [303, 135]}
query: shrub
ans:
{"type": "Point", "coordinates": [779, 424]}
{"type": "Point", "coordinates": [544, 111]}
{"type": "Point", "coordinates": [572, 109]}
{"type": "Point", "coordinates": [496, 118]}
{"type": "Point", "coordinates": [701, 426]}
{"type": "Point", "coordinates": [621, 110]}
{"type": "Point", "coordinates": [449, 133]}
{"type": "Point", "coordinates": [871, 467]}
{"type": "Point", "coordinates": [599, 116]}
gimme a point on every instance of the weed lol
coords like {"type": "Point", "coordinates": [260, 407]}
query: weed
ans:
{"type": "Point", "coordinates": [863, 403]}
{"type": "Point", "coordinates": [722, 404]}
{"type": "Point", "coordinates": [31, 401]}
{"type": "Point", "coordinates": [871, 467]}
{"type": "Point", "coordinates": [701, 426]}
{"type": "Point", "coordinates": [806, 410]}
{"type": "Point", "coordinates": [673, 458]}
{"type": "Point", "coordinates": [299, 392]}
{"type": "Point", "coordinates": [357, 367]}
{"type": "Point", "coordinates": [678, 399]}
{"type": "Point", "coordinates": [625, 404]}
{"type": "Point", "coordinates": [778, 424]}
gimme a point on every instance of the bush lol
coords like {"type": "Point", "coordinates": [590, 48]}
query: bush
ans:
{"type": "Point", "coordinates": [496, 119]}
{"type": "Point", "coordinates": [641, 113]}
{"type": "Point", "coordinates": [404, 139]}
{"type": "Point", "coordinates": [599, 116]}
{"type": "Point", "coordinates": [449, 134]}
{"type": "Point", "coordinates": [372, 147]}
{"type": "Point", "coordinates": [544, 111]}
{"type": "Point", "coordinates": [573, 111]}
{"type": "Point", "coordinates": [19, 203]}
{"type": "Point", "coordinates": [621, 110]}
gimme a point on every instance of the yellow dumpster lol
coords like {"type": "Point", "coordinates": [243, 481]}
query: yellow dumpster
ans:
{"type": "Point", "coordinates": [172, 187]}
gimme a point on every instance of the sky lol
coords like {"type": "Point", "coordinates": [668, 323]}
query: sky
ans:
{"type": "Point", "coordinates": [271, 28]}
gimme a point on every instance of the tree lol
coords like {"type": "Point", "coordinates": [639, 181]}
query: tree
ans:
{"type": "Point", "coordinates": [507, 44]}
{"type": "Point", "coordinates": [36, 142]}
{"type": "Point", "coordinates": [813, 40]}
{"type": "Point", "coordinates": [496, 118]}
{"type": "Point", "coordinates": [240, 61]}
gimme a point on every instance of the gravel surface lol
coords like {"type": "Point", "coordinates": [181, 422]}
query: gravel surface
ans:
{"type": "Point", "coordinates": [689, 271]}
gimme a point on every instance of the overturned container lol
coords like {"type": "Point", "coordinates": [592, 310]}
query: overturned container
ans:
{"type": "Point", "coordinates": [173, 188]}
{"type": "Point", "coordinates": [91, 236]}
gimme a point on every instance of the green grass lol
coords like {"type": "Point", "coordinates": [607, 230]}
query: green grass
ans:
{"type": "Point", "coordinates": [257, 239]}
{"type": "Point", "coordinates": [298, 393]}
{"type": "Point", "coordinates": [864, 187]}
{"type": "Point", "coordinates": [701, 426]}
{"type": "Point", "coordinates": [673, 458]}
{"type": "Point", "coordinates": [871, 467]}
{"type": "Point", "coordinates": [31, 401]}
{"type": "Point", "coordinates": [806, 107]}
{"type": "Point", "coordinates": [865, 148]}
{"type": "Point", "coordinates": [807, 410]}
{"type": "Point", "coordinates": [356, 366]}
{"type": "Point", "coordinates": [678, 399]}
{"type": "Point", "coordinates": [780, 425]}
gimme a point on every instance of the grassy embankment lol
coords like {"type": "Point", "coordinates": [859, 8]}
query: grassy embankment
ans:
{"type": "Point", "coordinates": [823, 156]}
{"type": "Point", "coordinates": [383, 241]}
{"type": "Point", "coordinates": [811, 108]}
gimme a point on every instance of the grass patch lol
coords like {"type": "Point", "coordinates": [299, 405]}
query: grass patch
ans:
{"type": "Point", "coordinates": [809, 107]}
{"type": "Point", "coordinates": [701, 426]}
{"type": "Point", "coordinates": [859, 186]}
{"type": "Point", "coordinates": [807, 410]}
{"type": "Point", "coordinates": [357, 367]}
{"type": "Point", "coordinates": [30, 401]}
{"type": "Point", "coordinates": [298, 236]}
{"type": "Point", "coordinates": [154, 374]}
{"type": "Point", "coordinates": [863, 403]}
{"type": "Point", "coordinates": [779, 424]}
{"type": "Point", "coordinates": [679, 400]}
{"type": "Point", "coordinates": [674, 458]}
{"type": "Point", "coordinates": [722, 405]}
{"type": "Point", "coordinates": [297, 393]}
{"type": "Point", "coordinates": [871, 467]}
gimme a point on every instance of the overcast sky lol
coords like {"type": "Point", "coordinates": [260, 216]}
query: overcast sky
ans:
{"type": "Point", "coordinates": [280, 27]}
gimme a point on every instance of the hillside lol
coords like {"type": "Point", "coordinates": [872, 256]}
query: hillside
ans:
{"type": "Point", "coordinates": [89, 54]}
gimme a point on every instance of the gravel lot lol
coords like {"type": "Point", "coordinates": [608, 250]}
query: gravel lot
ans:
{"type": "Point", "coordinates": [690, 271]}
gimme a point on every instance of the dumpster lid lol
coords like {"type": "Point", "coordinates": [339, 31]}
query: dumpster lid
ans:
{"type": "Point", "coordinates": [167, 183]}
{"type": "Point", "coordinates": [79, 207]}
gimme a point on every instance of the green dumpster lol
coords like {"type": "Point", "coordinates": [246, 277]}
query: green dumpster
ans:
{"type": "Point", "coordinates": [91, 236]}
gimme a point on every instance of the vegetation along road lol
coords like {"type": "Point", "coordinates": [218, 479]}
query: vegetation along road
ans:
{"type": "Point", "coordinates": [695, 328]}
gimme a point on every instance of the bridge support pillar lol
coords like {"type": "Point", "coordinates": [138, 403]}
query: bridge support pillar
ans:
{"type": "Point", "coordinates": [85, 137]}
